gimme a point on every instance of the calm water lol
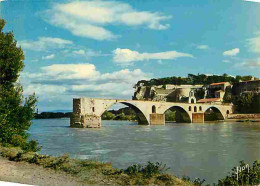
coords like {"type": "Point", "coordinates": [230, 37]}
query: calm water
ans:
{"type": "Point", "coordinates": [198, 150]}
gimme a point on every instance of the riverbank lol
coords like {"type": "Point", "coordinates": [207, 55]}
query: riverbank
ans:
{"type": "Point", "coordinates": [23, 172]}
{"type": "Point", "coordinates": [244, 117]}
{"type": "Point", "coordinates": [33, 168]}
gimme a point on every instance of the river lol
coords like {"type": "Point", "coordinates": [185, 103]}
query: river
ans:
{"type": "Point", "coordinates": [208, 150]}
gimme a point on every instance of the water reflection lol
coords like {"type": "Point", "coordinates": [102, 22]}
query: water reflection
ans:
{"type": "Point", "coordinates": [207, 150]}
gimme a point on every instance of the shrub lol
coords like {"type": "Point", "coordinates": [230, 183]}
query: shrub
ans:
{"type": "Point", "coordinates": [32, 145]}
{"type": "Point", "coordinates": [10, 152]}
{"type": "Point", "coordinates": [17, 141]}
{"type": "Point", "coordinates": [147, 171]}
{"type": "Point", "coordinates": [197, 181]}
{"type": "Point", "coordinates": [244, 178]}
{"type": "Point", "coordinates": [133, 169]}
{"type": "Point", "coordinates": [165, 178]}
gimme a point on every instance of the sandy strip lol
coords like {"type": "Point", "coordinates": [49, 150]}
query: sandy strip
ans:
{"type": "Point", "coordinates": [22, 172]}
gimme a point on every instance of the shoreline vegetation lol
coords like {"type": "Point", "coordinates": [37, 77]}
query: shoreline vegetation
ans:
{"type": "Point", "coordinates": [93, 172]}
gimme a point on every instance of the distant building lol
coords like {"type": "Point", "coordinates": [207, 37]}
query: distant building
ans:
{"type": "Point", "coordinates": [214, 87]}
{"type": "Point", "coordinates": [169, 93]}
{"type": "Point", "coordinates": [213, 93]}
{"type": "Point", "coordinates": [219, 94]}
{"type": "Point", "coordinates": [252, 86]}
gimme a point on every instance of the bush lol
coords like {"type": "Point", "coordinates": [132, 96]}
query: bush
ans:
{"type": "Point", "coordinates": [32, 145]}
{"type": "Point", "coordinates": [19, 141]}
{"type": "Point", "coordinates": [147, 171]}
{"type": "Point", "coordinates": [165, 178]}
{"type": "Point", "coordinates": [244, 178]}
{"type": "Point", "coordinates": [196, 182]}
{"type": "Point", "coordinates": [108, 115]}
{"type": "Point", "coordinates": [133, 169]}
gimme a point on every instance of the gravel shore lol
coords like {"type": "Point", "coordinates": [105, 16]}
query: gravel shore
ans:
{"type": "Point", "coordinates": [22, 172]}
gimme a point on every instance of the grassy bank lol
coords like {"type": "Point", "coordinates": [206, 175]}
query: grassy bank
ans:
{"type": "Point", "coordinates": [94, 172]}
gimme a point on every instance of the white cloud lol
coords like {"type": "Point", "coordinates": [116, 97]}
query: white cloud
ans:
{"type": "Point", "coordinates": [203, 47]}
{"type": "Point", "coordinates": [70, 71]}
{"type": "Point", "coordinates": [255, 1]}
{"type": "Point", "coordinates": [127, 56]}
{"type": "Point", "coordinates": [78, 79]}
{"type": "Point", "coordinates": [42, 89]}
{"type": "Point", "coordinates": [88, 53]}
{"type": "Point", "coordinates": [44, 43]}
{"type": "Point", "coordinates": [254, 44]}
{"type": "Point", "coordinates": [250, 63]}
{"type": "Point", "coordinates": [232, 52]}
{"type": "Point", "coordinates": [88, 18]}
{"type": "Point", "coordinates": [79, 52]}
{"type": "Point", "coordinates": [51, 56]}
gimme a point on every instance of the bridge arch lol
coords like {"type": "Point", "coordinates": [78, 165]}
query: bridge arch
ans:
{"type": "Point", "coordinates": [213, 113]}
{"type": "Point", "coordinates": [141, 117]}
{"type": "Point", "coordinates": [181, 114]}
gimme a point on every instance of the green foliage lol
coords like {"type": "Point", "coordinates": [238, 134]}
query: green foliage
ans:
{"type": "Point", "coordinates": [147, 171]}
{"type": "Point", "coordinates": [170, 115]}
{"type": "Point", "coordinates": [49, 115]}
{"type": "Point", "coordinates": [108, 116]}
{"type": "Point", "coordinates": [10, 152]}
{"type": "Point", "coordinates": [247, 103]}
{"type": "Point", "coordinates": [165, 178]}
{"type": "Point", "coordinates": [122, 114]}
{"type": "Point", "coordinates": [211, 117]}
{"type": "Point", "coordinates": [199, 93]}
{"type": "Point", "coordinates": [244, 178]}
{"type": "Point", "coordinates": [11, 58]}
{"type": "Point", "coordinates": [15, 112]}
{"type": "Point", "coordinates": [133, 169]}
{"type": "Point", "coordinates": [196, 181]}
{"type": "Point", "coordinates": [31, 145]}
{"type": "Point", "coordinates": [228, 95]}
{"type": "Point", "coordinates": [194, 79]}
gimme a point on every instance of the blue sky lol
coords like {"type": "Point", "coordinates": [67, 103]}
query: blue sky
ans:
{"type": "Point", "coordinates": [102, 48]}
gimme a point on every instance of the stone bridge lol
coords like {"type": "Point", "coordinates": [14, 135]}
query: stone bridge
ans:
{"type": "Point", "coordinates": [87, 112]}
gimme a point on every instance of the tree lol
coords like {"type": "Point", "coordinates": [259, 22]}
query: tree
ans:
{"type": "Point", "coordinates": [170, 115]}
{"type": "Point", "coordinates": [247, 103]}
{"type": "Point", "coordinates": [108, 116]}
{"type": "Point", "coordinates": [227, 96]}
{"type": "Point", "coordinates": [15, 111]}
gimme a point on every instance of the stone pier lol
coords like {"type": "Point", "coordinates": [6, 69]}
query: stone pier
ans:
{"type": "Point", "coordinates": [157, 119]}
